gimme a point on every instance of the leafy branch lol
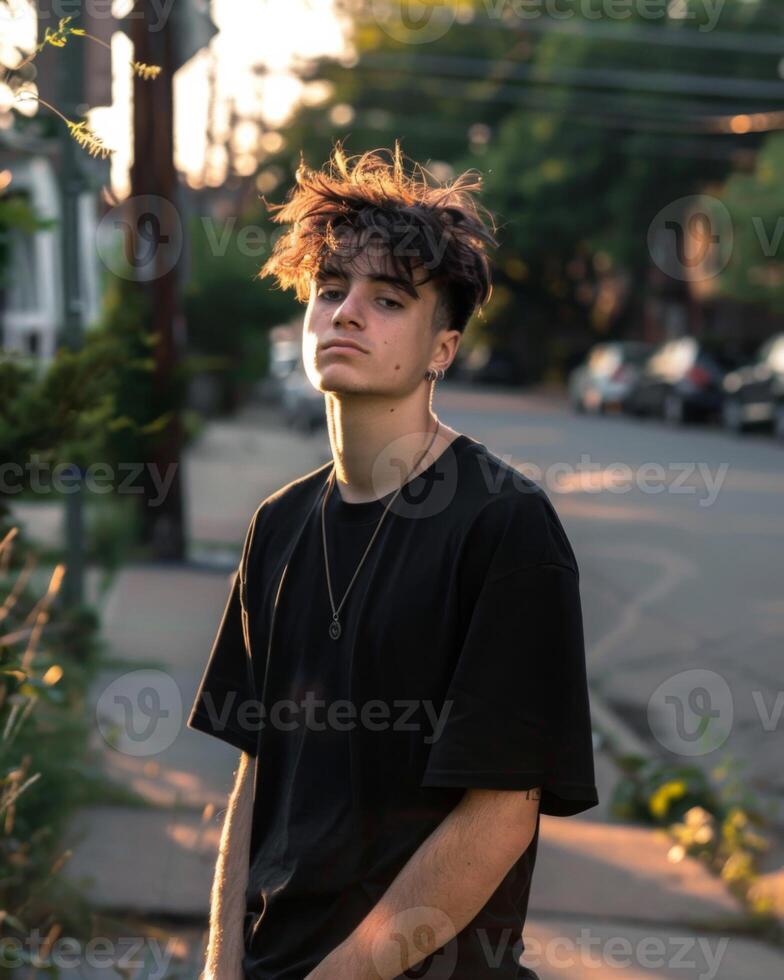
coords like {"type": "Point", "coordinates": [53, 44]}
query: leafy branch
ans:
{"type": "Point", "coordinates": [58, 38]}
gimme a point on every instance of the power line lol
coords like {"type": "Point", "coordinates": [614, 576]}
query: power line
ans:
{"type": "Point", "coordinates": [632, 106]}
{"type": "Point", "coordinates": [665, 36]}
{"type": "Point", "coordinates": [665, 145]}
{"type": "Point", "coordinates": [586, 109]}
{"type": "Point", "coordinates": [618, 78]}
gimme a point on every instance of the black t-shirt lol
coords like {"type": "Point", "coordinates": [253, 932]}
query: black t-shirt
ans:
{"type": "Point", "coordinates": [460, 664]}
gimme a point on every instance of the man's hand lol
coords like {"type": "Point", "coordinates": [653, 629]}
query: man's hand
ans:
{"type": "Point", "coordinates": [440, 889]}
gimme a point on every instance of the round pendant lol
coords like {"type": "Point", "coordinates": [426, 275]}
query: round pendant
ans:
{"type": "Point", "coordinates": [334, 629]}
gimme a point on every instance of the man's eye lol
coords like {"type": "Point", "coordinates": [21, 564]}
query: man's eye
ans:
{"type": "Point", "coordinates": [325, 294]}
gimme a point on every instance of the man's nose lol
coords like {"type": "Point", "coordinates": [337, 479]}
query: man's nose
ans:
{"type": "Point", "coordinates": [349, 310]}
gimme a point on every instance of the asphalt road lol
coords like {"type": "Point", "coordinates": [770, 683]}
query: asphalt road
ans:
{"type": "Point", "coordinates": [679, 535]}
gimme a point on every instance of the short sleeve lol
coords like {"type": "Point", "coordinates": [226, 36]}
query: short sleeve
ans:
{"type": "Point", "coordinates": [517, 700]}
{"type": "Point", "coordinates": [225, 693]}
{"type": "Point", "coordinates": [225, 704]}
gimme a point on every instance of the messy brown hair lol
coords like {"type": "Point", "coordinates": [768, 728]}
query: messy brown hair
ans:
{"type": "Point", "coordinates": [414, 223]}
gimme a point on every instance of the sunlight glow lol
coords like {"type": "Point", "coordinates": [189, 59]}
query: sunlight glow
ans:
{"type": "Point", "coordinates": [191, 113]}
{"type": "Point", "coordinates": [17, 31]}
{"type": "Point", "coordinates": [114, 123]}
{"type": "Point", "coordinates": [230, 97]}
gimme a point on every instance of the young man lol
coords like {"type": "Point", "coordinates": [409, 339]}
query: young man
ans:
{"type": "Point", "coordinates": [401, 658]}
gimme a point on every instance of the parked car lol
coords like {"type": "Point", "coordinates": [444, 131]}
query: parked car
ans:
{"type": "Point", "coordinates": [285, 355]}
{"type": "Point", "coordinates": [754, 393]}
{"type": "Point", "coordinates": [680, 381]}
{"type": "Point", "coordinates": [490, 365]}
{"type": "Point", "coordinates": [303, 405]}
{"type": "Point", "coordinates": [604, 378]}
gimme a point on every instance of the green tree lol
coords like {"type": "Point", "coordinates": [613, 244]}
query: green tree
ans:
{"type": "Point", "coordinates": [755, 273]}
{"type": "Point", "coordinates": [583, 127]}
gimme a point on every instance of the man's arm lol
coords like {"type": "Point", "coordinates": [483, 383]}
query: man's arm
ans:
{"type": "Point", "coordinates": [441, 888]}
{"type": "Point", "coordinates": [226, 945]}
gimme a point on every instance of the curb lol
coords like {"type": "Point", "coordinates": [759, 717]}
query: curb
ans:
{"type": "Point", "coordinates": [620, 736]}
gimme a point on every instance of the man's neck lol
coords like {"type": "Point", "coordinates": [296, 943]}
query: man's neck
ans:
{"type": "Point", "coordinates": [375, 448]}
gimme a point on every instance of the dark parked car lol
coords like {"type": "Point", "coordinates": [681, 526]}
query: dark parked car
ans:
{"type": "Point", "coordinates": [606, 375]}
{"type": "Point", "coordinates": [680, 381]}
{"type": "Point", "coordinates": [491, 366]}
{"type": "Point", "coordinates": [754, 393]}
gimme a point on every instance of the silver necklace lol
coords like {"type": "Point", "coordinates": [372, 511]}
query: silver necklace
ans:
{"type": "Point", "coordinates": [334, 627]}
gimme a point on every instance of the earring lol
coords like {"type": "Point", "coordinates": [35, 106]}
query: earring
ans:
{"type": "Point", "coordinates": [435, 375]}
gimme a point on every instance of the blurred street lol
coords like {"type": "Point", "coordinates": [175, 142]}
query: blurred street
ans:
{"type": "Point", "coordinates": [657, 601]}
{"type": "Point", "coordinates": [593, 186]}
{"type": "Point", "coordinates": [684, 575]}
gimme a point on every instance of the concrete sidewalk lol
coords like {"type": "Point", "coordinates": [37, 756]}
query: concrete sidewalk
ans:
{"type": "Point", "coordinates": [606, 900]}
{"type": "Point", "coordinates": [600, 887]}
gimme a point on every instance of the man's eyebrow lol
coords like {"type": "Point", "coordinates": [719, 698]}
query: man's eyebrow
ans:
{"type": "Point", "coordinates": [328, 270]}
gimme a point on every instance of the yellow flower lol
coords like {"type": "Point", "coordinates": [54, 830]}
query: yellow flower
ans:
{"type": "Point", "coordinates": [146, 72]}
{"type": "Point", "coordinates": [87, 139]}
{"type": "Point", "coordinates": [58, 37]}
{"type": "Point", "coordinates": [660, 802]}
{"type": "Point", "coordinates": [697, 815]}
{"type": "Point", "coordinates": [676, 853]}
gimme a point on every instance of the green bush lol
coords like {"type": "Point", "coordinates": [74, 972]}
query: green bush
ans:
{"type": "Point", "coordinates": [228, 311]}
{"type": "Point", "coordinates": [713, 817]}
{"type": "Point", "coordinates": [47, 658]}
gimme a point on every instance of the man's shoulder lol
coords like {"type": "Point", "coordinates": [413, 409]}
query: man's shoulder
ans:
{"type": "Point", "coordinates": [289, 498]}
{"type": "Point", "coordinates": [513, 511]}
{"type": "Point", "coordinates": [497, 485]}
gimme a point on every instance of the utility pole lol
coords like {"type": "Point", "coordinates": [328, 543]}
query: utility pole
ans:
{"type": "Point", "coordinates": [157, 219]}
{"type": "Point", "coordinates": [154, 186]}
{"type": "Point", "coordinates": [72, 182]}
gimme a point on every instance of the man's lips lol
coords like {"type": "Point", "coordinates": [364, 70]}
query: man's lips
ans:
{"type": "Point", "coordinates": [343, 347]}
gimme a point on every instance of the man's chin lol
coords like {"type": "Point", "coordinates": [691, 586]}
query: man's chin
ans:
{"type": "Point", "coordinates": [339, 383]}
{"type": "Point", "coordinates": [342, 388]}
